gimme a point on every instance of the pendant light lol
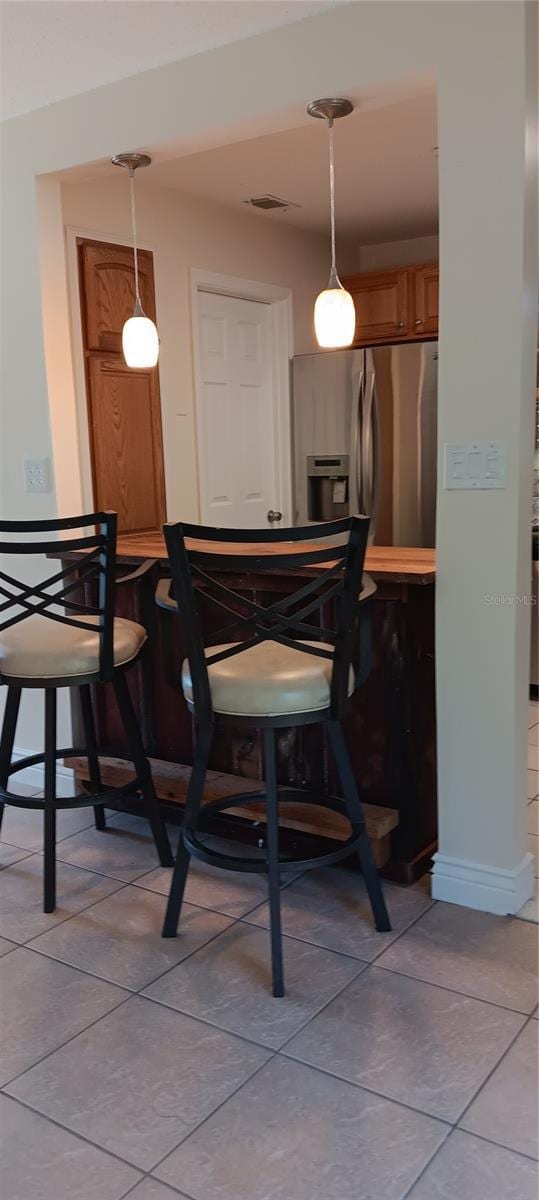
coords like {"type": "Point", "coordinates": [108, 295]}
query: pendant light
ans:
{"type": "Point", "coordinates": [140, 341]}
{"type": "Point", "coordinates": [334, 312]}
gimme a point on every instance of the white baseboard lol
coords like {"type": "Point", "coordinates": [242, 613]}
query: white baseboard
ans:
{"type": "Point", "coordinates": [34, 777]}
{"type": "Point", "coordinates": [490, 889]}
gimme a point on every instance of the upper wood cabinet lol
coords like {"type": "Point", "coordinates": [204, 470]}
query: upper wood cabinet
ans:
{"type": "Point", "coordinates": [382, 306]}
{"type": "Point", "coordinates": [426, 299]}
{"type": "Point", "coordinates": [108, 291]}
{"type": "Point", "coordinates": [395, 306]}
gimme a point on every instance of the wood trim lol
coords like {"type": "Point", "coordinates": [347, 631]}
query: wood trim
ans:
{"type": "Point", "coordinates": [171, 781]}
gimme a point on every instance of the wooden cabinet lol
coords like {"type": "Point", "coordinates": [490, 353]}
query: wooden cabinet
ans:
{"type": "Point", "coordinates": [395, 306]}
{"type": "Point", "coordinates": [124, 406]}
{"type": "Point", "coordinates": [382, 306]}
{"type": "Point", "coordinates": [426, 300]}
{"type": "Point", "coordinates": [126, 442]}
{"type": "Point", "coordinates": [108, 292]}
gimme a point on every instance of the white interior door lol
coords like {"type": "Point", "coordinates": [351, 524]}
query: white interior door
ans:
{"type": "Point", "coordinates": [239, 478]}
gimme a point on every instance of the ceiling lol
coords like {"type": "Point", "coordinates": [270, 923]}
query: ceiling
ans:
{"type": "Point", "coordinates": [386, 171]}
{"type": "Point", "coordinates": [52, 49]}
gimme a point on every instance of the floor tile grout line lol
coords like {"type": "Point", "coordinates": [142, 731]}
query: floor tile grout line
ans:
{"type": "Point", "coordinates": [499, 1145]}
{"type": "Point", "coordinates": [387, 945]}
{"type": "Point", "coordinates": [495, 1068]}
{"type": "Point", "coordinates": [445, 988]}
{"type": "Point", "coordinates": [70, 916]}
{"type": "Point", "coordinates": [62, 962]}
{"type": "Point", "coordinates": [20, 1075]}
{"type": "Point", "coordinates": [454, 1124]}
{"type": "Point", "coordinates": [152, 1179]}
{"type": "Point", "coordinates": [271, 1054]}
{"type": "Point", "coordinates": [426, 1166]}
{"type": "Point", "coordinates": [243, 1036]}
{"type": "Point", "coordinates": [364, 968]}
{"type": "Point", "coordinates": [364, 1087]}
{"type": "Point", "coordinates": [66, 1129]}
{"type": "Point", "coordinates": [196, 1128]}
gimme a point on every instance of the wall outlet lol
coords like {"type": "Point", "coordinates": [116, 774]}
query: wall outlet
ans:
{"type": "Point", "coordinates": [37, 475]}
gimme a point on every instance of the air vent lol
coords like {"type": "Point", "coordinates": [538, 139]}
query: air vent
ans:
{"type": "Point", "coordinates": [270, 201]}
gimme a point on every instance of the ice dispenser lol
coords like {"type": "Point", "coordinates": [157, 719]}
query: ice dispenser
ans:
{"type": "Point", "coordinates": [327, 486]}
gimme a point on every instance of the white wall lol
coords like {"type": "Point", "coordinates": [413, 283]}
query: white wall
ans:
{"type": "Point", "coordinates": [488, 256]}
{"type": "Point", "coordinates": [184, 232]}
{"type": "Point", "coordinates": [383, 256]}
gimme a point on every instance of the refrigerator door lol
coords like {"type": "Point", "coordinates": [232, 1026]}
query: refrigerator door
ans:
{"type": "Point", "coordinates": [406, 378]}
{"type": "Point", "coordinates": [324, 411]}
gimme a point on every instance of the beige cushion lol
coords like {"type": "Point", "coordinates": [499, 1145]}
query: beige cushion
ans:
{"type": "Point", "coordinates": [43, 648]}
{"type": "Point", "coordinates": [268, 680]}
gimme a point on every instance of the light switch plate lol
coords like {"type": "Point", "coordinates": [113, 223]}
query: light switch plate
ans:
{"type": "Point", "coordinates": [37, 475]}
{"type": "Point", "coordinates": [474, 465]}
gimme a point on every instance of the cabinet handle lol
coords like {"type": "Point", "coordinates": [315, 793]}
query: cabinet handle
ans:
{"type": "Point", "coordinates": [418, 322]}
{"type": "Point", "coordinates": [401, 324]}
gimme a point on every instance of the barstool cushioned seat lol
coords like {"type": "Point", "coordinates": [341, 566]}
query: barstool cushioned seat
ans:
{"type": "Point", "coordinates": [39, 647]}
{"type": "Point", "coordinates": [268, 680]}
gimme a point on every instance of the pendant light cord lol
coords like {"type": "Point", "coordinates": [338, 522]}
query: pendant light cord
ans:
{"type": "Point", "coordinates": [332, 196]}
{"type": "Point", "coordinates": [134, 231]}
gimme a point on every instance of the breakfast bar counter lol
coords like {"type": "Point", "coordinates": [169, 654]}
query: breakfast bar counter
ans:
{"type": "Point", "coordinates": [390, 730]}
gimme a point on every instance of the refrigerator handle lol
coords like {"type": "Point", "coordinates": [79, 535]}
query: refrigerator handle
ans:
{"type": "Point", "coordinates": [370, 446]}
{"type": "Point", "coordinates": [355, 446]}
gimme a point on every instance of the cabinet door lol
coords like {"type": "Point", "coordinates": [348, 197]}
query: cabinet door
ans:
{"type": "Point", "coordinates": [108, 292]}
{"type": "Point", "coordinates": [382, 306]}
{"type": "Point", "coordinates": [426, 299]}
{"type": "Point", "coordinates": [125, 433]}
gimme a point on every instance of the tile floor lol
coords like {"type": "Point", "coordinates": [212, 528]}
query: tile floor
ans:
{"type": "Point", "coordinates": [398, 1066]}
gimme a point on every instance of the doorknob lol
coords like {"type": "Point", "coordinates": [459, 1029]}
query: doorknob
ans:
{"type": "Point", "coordinates": [273, 515]}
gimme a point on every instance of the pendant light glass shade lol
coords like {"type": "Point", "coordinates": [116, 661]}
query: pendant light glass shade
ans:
{"type": "Point", "coordinates": [140, 340]}
{"type": "Point", "coordinates": [334, 310]}
{"type": "Point", "coordinates": [334, 316]}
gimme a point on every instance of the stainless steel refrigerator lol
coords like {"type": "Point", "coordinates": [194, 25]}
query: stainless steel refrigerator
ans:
{"type": "Point", "coordinates": [364, 439]}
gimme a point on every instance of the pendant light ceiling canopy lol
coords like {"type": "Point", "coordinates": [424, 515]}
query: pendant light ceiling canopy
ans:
{"type": "Point", "coordinates": [140, 341]}
{"type": "Point", "coordinates": [334, 312]}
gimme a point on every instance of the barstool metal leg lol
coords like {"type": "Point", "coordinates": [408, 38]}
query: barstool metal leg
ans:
{"type": "Point", "coordinates": [192, 808]}
{"type": "Point", "coordinates": [355, 811]}
{"type": "Point", "coordinates": [9, 726]}
{"type": "Point", "coordinates": [142, 768]}
{"type": "Point", "coordinates": [49, 848]}
{"type": "Point", "coordinates": [94, 770]}
{"type": "Point", "coordinates": [274, 880]}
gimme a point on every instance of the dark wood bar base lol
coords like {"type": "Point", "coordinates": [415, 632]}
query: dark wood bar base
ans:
{"type": "Point", "coordinates": [390, 731]}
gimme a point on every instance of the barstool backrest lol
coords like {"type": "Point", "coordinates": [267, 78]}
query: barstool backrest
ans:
{"type": "Point", "coordinates": [59, 596]}
{"type": "Point", "coordinates": [203, 559]}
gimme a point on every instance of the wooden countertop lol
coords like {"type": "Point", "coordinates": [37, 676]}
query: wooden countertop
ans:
{"type": "Point", "coordinates": [396, 564]}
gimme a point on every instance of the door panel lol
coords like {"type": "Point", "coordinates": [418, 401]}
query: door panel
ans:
{"type": "Point", "coordinates": [381, 301]}
{"type": "Point", "coordinates": [426, 299]}
{"type": "Point", "coordinates": [124, 406]}
{"type": "Point", "coordinates": [125, 443]}
{"type": "Point", "coordinates": [238, 483]}
{"type": "Point", "coordinates": [108, 286]}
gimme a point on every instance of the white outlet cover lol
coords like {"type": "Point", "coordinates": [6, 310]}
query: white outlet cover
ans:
{"type": "Point", "coordinates": [37, 475]}
{"type": "Point", "coordinates": [474, 465]}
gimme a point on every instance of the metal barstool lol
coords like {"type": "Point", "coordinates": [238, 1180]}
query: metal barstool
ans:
{"type": "Point", "coordinates": [51, 638]}
{"type": "Point", "coordinates": [270, 668]}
